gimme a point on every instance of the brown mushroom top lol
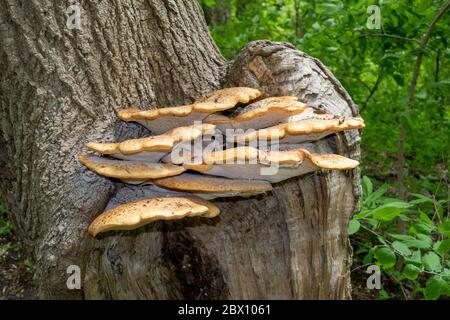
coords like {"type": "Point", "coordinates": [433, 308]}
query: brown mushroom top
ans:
{"type": "Point", "coordinates": [294, 157]}
{"type": "Point", "coordinates": [132, 215]}
{"type": "Point", "coordinates": [163, 142]}
{"type": "Point", "coordinates": [225, 99]}
{"type": "Point", "coordinates": [129, 170]}
{"type": "Point", "coordinates": [213, 102]}
{"type": "Point", "coordinates": [133, 114]}
{"type": "Point", "coordinates": [302, 127]}
{"type": "Point", "coordinates": [289, 105]}
{"type": "Point", "coordinates": [202, 183]}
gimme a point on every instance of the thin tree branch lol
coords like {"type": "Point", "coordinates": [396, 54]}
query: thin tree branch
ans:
{"type": "Point", "coordinates": [364, 84]}
{"type": "Point", "coordinates": [299, 27]}
{"type": "Point", "coordinates": [374, 88]}
{"type": "Point", "coordinates": [394, 36]}
{"type": "Point", "coordinates": [422, 46]}
{"type": "Point", "coordinates": [437, 65]}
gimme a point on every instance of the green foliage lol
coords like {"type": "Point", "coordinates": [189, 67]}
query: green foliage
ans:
{"type": "Point", "coordinates": [419, 259]}
{"type": "Point", "coordinates": [5, 225]}
{"type": "Point", "coordinates": [5, 230]}
{"type": "Point", "coordinates": [29, 265]}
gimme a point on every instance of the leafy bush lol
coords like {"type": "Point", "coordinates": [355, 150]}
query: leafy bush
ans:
{"type": "Point", "coordinates": [418, 261]}
{"type": "Point", "coordinates": [5, 225]}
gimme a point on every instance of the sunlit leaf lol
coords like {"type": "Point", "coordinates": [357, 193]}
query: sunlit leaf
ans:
{"type": "Point", "coordinates": [385, 257]}
{"type": "Point", "coordinates": [353, 226]}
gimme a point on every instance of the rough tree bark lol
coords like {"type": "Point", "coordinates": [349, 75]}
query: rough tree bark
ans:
{"type": "Point", "coordinates": [60, 88]}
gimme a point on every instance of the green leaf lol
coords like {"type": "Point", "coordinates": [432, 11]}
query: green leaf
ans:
{"type": "Point", "coordinates": [353, 226]}
{"type": "Point", "coordinates": [406, 121]}
{"type": "Point", "coordinates": [401, 248]}
{"type": "Point", "coordinates": [421, 228]}
{"type": "Point", "coordinates": [367, 186]}
{"type": "Point", "coordinates": [361, 250]}
{"type": "Point", "coordinates": [399, 79]}
{"type": "Point", "coordinates": [385, 258]}
{"type": "Point", "coordinates": [415, 258]}
{"type": "Point", "coordinates": [444, 228]}
{"type": "Point", "coordinates": [412, 242]}
{"type": "Point", "coordinates": [327, 8]}
{"type": "Point", "coordinates": [389, 211]}
{"type": "Point", "coordinates": [444, 247]}
{"type": "Point", "coordinates": [411, 272]}
{"type": "Point", "coordinates": [376, 195]}
{"type": "Point", "coordinates": [382, 240]}
{"type": "Point", "coordinates": [425, 219]}
{"type": "Point", "coordinates": [420, 198]}
{"type": "Point", "coordinates": [432, 262]}
{"type": "Point", "coordinates": [316, 26]}
{"type": "Point", "coordinates": [368, 258]}
{"type": "Point", "coordinates": [435, 287]}
{"type": "Point", "coordinates": [363, 214]}
{"type": "Point", "coordinates": [209, 3]}
{"type": "Point", "coordinates": [384, 295]}
{"type": "Point", "coordinates": [426, 239]}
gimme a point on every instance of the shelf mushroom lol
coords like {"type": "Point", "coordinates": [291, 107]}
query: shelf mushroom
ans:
{"type": "Point", "coordinates": [309, 129]}
{"type": "Point", "coordinates": [133, 172]}
{"type": "Point", "coordinates": [135, 214]}
{"type": "Point", "coordinates": [260, 114]}
{"type": "Point", "coordinates": [273, 166]}
{"type": "Point", "coordinates": [209, 187]}
{"type": "Point", "coordinates": [152, 148]}
{"type": "Point", "coordinates": [161, 120]}
{"type": "Point", "coordinates": [160, 162]}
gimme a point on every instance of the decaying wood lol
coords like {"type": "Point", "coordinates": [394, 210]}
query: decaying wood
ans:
{"type": "Point", "coordinates": [59, 88]}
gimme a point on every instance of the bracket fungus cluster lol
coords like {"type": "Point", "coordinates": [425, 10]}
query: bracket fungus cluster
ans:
{"type": "Point", "coordinates": [234, 163]}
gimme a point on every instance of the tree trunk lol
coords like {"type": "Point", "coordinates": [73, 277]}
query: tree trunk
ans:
{"type": "Point", "coordinates": [59, 88]}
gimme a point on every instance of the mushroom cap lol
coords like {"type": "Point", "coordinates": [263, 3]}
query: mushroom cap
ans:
{"type": "Point", "coordinates": [152, 148]}
{"type": "Point", "coordinates": [215, 101]}
{"type": "Point", "coordinates": [224, 99]}
{"type": "Point", "coordinates": [209, 186]}
{"type": "Point", "coordinates": [238, 154]}
{"type": "Point", "coordinates": [302, 130]}
{"type": "Point", "coordinates": [272, 166]}
{"type": "Point", "coordinates": [135, 214]}
{"type": "Point", "coordinates": [312, 113]}
{"type": "Point", "coordinates": [129, 170]}
{"type": "Point", "coordinates": [134, 114]}
{"type": "Point", "coordinates": [286, 104]}
{"type": "Point", "coordinates": [164, 119]}
{"type": "Point", "coordinates": [260, 114]}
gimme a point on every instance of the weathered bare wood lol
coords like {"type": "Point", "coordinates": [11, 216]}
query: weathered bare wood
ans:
{"type": "Point", "coordinates": [59, 89]}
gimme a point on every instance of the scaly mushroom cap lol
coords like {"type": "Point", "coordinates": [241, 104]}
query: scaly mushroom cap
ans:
{"type": "Point", "coordinates": [135, 214]}
{"type": "Point", "coordinates": [302, 130]}
{"type": "Point", "coordinates": [272, 166]}
{"type": "Point", "coordinates": [213, 187]}
{"type": "Point", "coordinates": [129, 170]}
{"type": "Point", "coordinates": [152, 148]}
{"type": "Point", "coordinates": [260, 114]}
{"type": "Point", "coordinates": [225, 99]}
{"type": "Point", "coordinates": [164, 119]}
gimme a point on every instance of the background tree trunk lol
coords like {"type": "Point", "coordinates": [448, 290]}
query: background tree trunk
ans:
{"type": "Point", "coordinates": [59, 88]}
